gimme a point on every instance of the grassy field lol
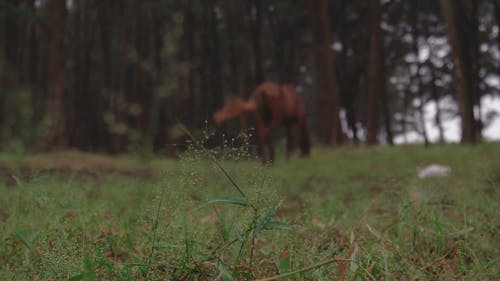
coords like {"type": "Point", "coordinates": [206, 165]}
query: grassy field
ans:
{"type": "Point", "coordinates": [343, 214]}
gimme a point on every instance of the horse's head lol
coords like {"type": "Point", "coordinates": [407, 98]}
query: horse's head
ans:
{"type": "Point", "coordinates": [233, 107]}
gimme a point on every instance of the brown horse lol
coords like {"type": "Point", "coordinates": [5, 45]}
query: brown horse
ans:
{"type": "Point", "coordinates": [274, 105]}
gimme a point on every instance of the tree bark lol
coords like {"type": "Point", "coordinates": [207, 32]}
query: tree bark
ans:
{"type": "Point", "coordinates": [12, 35]}
{"type": "Point", "coordinates": [239, 53]}
{"type": "Point", "coordinates": [389, 136]}
{"type": "Point", "coordinates": [435, 97]}
{"type": "Point", "coordinates": [375, 75]}
{"type": "Point", "coordinates": [434, 91]}
{"type": "Point", "coordinates": [143, 71]}
{"type": "Point", "coordinates": [496, 5]}
{"type": "Point", "coordinates": [56, 114]}
{"type": "Point", "coordinates": [211, 90]}
{"type": "Point", "coordinates": [83, 112]}
{"type": "Point", "coordinates": [454, 14]}
{"type": "Point", "coordinates": [33, 65]}
{"type": "Point", "coordinates": [215, 71]}
{"type": "Point", "coordinates": [417, 79]}
{"type": "Point", "coordinates": [190, 55]}
{"type": "Point", "coordinates": [122, 84]}
{"type": "Point", "coordinates": [3, 99]}
{"type": "Point", "coordinates": [328, 102]}
{"type": "Point", "coordinates": [404, 112]}
{"type": "Point", "coordinates": [105, 17]}
{"type": "Point", "coordinates": [473, 28]}
{"type": "Point", "coordinates": [257, 42]}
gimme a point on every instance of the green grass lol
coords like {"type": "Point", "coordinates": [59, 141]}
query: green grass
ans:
{"type": "Point", "coordinates": [342, 214]}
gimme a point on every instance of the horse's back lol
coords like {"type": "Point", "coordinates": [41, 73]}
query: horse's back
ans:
{"type": "Point", "coordinates": [266, 90]}
{"type": "Point", "coordinates": [279, 101]}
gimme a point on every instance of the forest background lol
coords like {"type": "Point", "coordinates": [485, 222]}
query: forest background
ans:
{"type": "Point", "coordinates": [122, 75]}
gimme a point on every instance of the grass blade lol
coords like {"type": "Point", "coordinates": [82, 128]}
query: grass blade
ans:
{"type": "Point", "coordinates": [224, 275]}
{"type": "Point", "coordinates": [241, 201]}
{"type": "Point", "coordinates": [285, 262]}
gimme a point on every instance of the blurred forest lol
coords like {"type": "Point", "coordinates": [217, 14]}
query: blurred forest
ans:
{"type": "Point", "coordinates": [121, 75]}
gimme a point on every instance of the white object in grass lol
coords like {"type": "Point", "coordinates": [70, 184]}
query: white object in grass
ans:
{"type": "Point", "coordinates": [434, 170]}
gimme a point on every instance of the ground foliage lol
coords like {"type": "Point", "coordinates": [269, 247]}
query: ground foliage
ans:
{"type": "Point", "coordinates": [345, 214]}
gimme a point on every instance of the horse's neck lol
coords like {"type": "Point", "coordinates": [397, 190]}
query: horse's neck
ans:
{"type": "Point", "coordinates": [242, 107]}
{"type": "Point", "coordinates": [249, 106]}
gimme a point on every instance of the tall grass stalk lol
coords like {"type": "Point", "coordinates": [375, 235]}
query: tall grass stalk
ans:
{"type": "Point", "coordinates": [155, 231]}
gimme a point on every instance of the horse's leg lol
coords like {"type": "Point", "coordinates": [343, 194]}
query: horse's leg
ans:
{"type": "Point", "coordinates": [262, 141]}
{"type": "Point", "coordinates": [304, 141]}
{"type": "Point", "coordinates": [270, 146]}
{"type": "Point", "coordinates": [289, 141]}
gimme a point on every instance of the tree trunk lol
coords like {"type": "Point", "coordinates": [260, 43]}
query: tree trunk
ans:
{"type": "Point", "coordinates": [190, 35]}
{"type": "Point", "coordinates": [417, 79]}
{"type": "Point", "coordinates": [33, 70]}
{"type": "Point", "coordinates": [160, 102]}
{"type": "Point", "coordinates": [496, 5]}
{"type": "Point", "coordinates": [421, 121]}
{"type": "Point", "coordinates": [348, 75]}
{"type": "Point", "coordinates": [454, 14]}
{"type": "Point", "coordinates": [143, 71]}
{"type": "Point", "coordinates": [475, 59]}
{"type": "Point", "coordinates": [238, 53]}
{"type": "Point", "coordinates": [215, 70]}
{"type": "Point", "coordinates": [56, 114]}
{"type": "Point", "coordinates": [105, 15]}
{"type": "Point", "coordinates": [404, 112]}
{"type": "Point", "coordinates": [81, 109]}
{"type": "Point", "coordinates": [328, 105]}
{"type": "Point", "coordinates": [375, 75]}
{"type": "Point", "coordinates": [3, 99]}
{"type": "Point", "coordinates": [435, 97]}
{"type": "Point", "coordinates": [389, 137]}
{"type": "Point", "coordinates": [434, 91]}
{"type": "Point", "coordinates": [257, 42]}
{"type": "Point", "coordinates": [24, 52]}
{"type": "Point", "coordinates": [12, 36]}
